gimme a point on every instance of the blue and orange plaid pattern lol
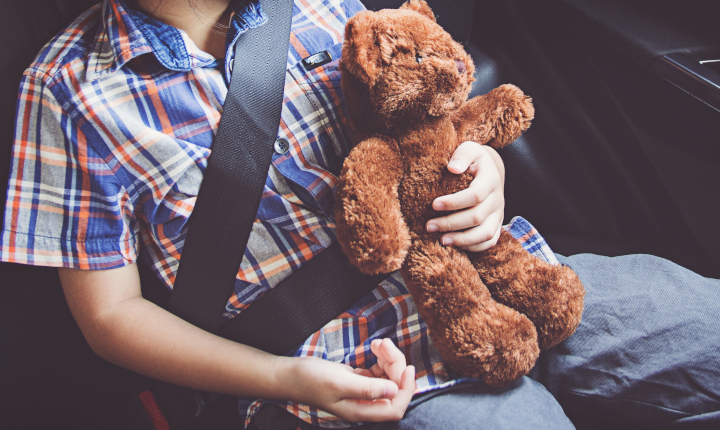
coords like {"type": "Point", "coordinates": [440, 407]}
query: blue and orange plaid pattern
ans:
{"type": "Point", "coordinates": [115, 123]}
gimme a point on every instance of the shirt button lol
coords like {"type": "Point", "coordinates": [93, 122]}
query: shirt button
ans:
{"type": "Point", "coordinates": [282, 146]}
{"type": "Point", "coordinates": [231, 64]}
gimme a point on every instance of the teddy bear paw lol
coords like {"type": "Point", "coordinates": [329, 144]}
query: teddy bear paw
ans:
{"type": "Point", "coordinates": [500, 347]}
{"type": "Point", "coordinates": [515, 113]}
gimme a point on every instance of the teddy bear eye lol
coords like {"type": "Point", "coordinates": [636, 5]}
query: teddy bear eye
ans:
{"type": "Point", "coordinates": [418, 58]}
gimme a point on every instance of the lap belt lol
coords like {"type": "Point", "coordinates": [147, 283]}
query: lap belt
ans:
{"type": "Point", "coordinates": [227, 205]}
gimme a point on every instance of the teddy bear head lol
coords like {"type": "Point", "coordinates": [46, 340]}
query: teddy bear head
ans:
{"type": "Point", "coordinates": [399, 67]}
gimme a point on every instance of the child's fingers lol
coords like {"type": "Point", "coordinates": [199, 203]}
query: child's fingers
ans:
{"type": "Point", "coordinates": [386, 350]}
{"type": "Point", "coordinates": [486, 231]}
{"type": "Point", "coordinates": [381, 410]}
{"type": "Point", "coordinates": [378, 371]}
{"type": "Point", "coordinates": [359, 387]}
{"type": "Point", "coordinates": [465, 154]}
{"type": "Point", "coordinates": [406, 389]}
{"type": "Point", "coordinates": [375, 346]}
{"type": "Point", "coordinates": [482, 246]}
{"type": "Point", "coordinates": [487, 179]}
{"type": "Point", "coordinates": [381, 360]}
{"type": "Point", "coordinates": [382, 366]}
{"type": "Point", "coordinates": [365, 372]}
{"type": "Point", "coordinates": [367, 411]}
{"type": "Point", "coordinates": [391, 352]}
{"type": "Point", "coordinates": [392, 360]}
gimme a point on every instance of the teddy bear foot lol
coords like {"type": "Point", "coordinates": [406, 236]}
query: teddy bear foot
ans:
{"type": "Point", "coordinates": [494, 343]}
{"type": "Point", "coordinates": [475, 335]}
{"type": "Point", "coordinates": [551, 296]}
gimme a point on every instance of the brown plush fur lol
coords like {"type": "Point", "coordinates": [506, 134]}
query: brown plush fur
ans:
{"type": "Point", "coordinates": [406, 84]}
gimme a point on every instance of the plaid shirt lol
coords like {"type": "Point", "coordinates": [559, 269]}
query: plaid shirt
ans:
{"type": "Point", "coordinates": [115, 123]}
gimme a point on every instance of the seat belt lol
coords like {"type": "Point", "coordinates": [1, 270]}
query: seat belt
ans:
{"type": "Point", "coordinates": [227, 204]}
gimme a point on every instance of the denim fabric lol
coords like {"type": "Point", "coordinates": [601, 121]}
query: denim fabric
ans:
{"type": "Point", "coordinates": [524, 404]}
{"type": "Point", "coordinates": [645, 356]}
{"type": "Point", "coordinates": [647, 353]}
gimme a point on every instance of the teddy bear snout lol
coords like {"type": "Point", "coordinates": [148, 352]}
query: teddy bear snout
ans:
{"type": "Point", "coordinates": [462, 68]}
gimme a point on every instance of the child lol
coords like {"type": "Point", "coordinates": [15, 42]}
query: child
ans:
{"type": "Point", "coordinates": [134, 163]}
{"type": "Point", "coordinates": [115, 124]}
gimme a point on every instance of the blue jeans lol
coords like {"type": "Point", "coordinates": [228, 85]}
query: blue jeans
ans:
{"type": "Point", "coordinates": [647, 352]}
{"type": "Point", "coordinates": [646, 355]}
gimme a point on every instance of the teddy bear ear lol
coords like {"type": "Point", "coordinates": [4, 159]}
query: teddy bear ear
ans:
{"type": "Point", "coordinates": [361, 53]}
{"type": "Point", "coordinates": [419, 6]}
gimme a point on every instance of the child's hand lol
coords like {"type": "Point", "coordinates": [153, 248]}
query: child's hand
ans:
{"type": "Point", "coordinates": [483, 200]}
{"type": "Point", "coordinates": [381, 393]}
{"type": "Point", "coordinates": [390, 361]}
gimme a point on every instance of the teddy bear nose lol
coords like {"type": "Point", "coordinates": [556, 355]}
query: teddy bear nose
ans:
{"type": "Point", "coordinates": [460, 66]}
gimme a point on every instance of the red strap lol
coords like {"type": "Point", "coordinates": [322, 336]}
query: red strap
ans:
{"type": "Point", "coordinates": [153, 411]}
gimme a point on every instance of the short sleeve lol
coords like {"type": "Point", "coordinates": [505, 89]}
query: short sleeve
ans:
{"type": "Point", "coordinates": [65, 207]}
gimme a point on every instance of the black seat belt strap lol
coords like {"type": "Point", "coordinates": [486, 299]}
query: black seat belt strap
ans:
{"type": "Point", "coordinates": [302, 304]}
{"type": "Point", "coordinates": [232, 186]}
{"type": "Point", "coordinates": [226, 207]}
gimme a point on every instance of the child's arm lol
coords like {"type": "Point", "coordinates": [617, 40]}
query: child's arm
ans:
{"type": "Point", "coordinates": [132, 332]}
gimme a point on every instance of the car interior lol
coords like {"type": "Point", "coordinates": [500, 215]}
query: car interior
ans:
{"type": "Point", "coordinates": [623, 157]}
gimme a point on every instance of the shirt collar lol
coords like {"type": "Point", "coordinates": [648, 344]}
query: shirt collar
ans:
{"type": "Point", "coordinates": [127, 33]}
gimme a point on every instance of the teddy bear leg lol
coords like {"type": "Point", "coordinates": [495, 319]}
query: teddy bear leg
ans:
{"type": "Point", "coordinates": [475, 335]}
{"type": "Point", "coordinates": [551, 296]}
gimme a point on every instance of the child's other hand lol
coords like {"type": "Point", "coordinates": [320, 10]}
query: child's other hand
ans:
{"type": "Point", "coordinates": [390, 361]}
{"type": "Point", "coordinates": [476, 228]}
{"type": "Point", "coordinates": [381, 393]}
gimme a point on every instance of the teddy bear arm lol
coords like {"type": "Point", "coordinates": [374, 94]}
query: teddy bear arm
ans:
{"type": "Point", "coordinates": [496, 118]}
{"type": "Point", "coordinates": [370, 225]}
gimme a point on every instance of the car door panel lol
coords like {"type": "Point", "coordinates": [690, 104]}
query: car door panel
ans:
{"type": "Point", "coordinates": [628, 147]}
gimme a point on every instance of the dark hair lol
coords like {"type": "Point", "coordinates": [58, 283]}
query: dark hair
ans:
{"type": "Point", "coordinates": [50, 16]}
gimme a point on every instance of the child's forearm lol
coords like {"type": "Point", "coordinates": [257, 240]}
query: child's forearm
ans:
{"type": "Point", "coordinates": [127, 330]}
{"type": "Point", "coordinates": [154, 342]}
{"type": "Point", "coordinates": [132, 332]}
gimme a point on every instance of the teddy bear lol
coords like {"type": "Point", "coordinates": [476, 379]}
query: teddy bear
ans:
{"type": "Point", "coordinates": [406, 84]}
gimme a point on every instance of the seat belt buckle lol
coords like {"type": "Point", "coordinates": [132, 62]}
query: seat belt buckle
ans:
{"type": "Point", "coordinates": [152, 410]}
